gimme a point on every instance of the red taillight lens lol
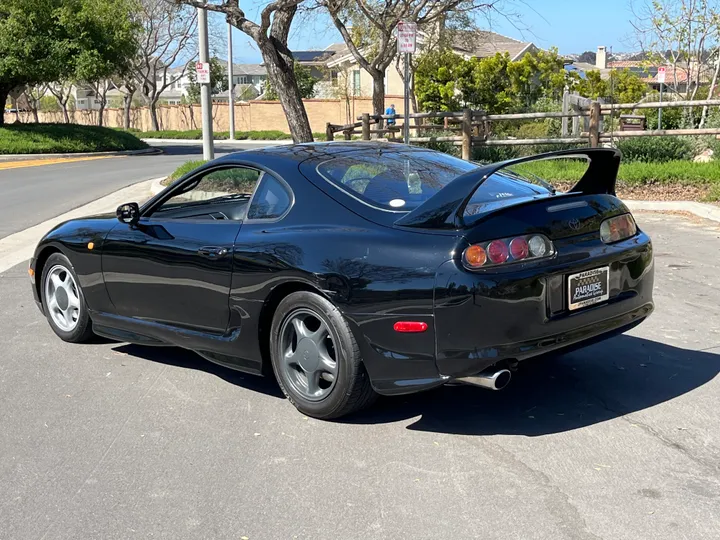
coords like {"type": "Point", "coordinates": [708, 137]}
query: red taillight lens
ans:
{"type": "Point", "coordinates": [519, 248]}
{"type": "Point", "coordinates": [618, 228]}
{"type": "Point", "coordinates": [409, 327]}
{"type": "Point", "coordinates": [497, 251]}
{"type": "Point", "coordinates": [507, 250]}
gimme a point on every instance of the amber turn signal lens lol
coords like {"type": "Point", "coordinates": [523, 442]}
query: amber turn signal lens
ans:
{"type": "Point", "coordinates": [475, 256]}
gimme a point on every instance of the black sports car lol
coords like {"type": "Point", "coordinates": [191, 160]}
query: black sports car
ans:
{"type": "Point", "coordinates": [356, 269]}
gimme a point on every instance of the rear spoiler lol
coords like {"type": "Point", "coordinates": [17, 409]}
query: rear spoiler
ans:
{"type": "Point", "coordinates": [445, 209]}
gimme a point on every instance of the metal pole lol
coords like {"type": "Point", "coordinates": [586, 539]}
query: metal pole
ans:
{"type": "Point", "coordinates": [231, 95]}
{"type": "Point", "coordinates": [206, 104]}
{"type": "Point", "coordinates": [406, 126]}
{"type": "Point", "coordinates": [660, 109]}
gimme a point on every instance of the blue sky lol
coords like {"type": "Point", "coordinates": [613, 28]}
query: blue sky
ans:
{"type": "Point", "coordinates": [571, 26]}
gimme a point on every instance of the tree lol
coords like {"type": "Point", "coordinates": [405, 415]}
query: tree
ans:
{"type": "Point", "coordinates": [271, 36]}
{"type": "Point", "coordinates": [588, 57]}
{"type": "Point", "coordinates": [593, 86]}
{"type": "Point", "coordinates": [53, 40]}
{"type": "Point", "coordinates": [683, 33]}
{"type": "Point", "coordinates": [218, 80]}
{"type": "Point", "coordinates": [306, 83]}
{"type": "Point", "coordinates": [62, 91]}
{"type": "Point", "coordinates": [540, 74]}
{"type": "Point", "coordinates": [368, 28]}
{"type": "Point", "coordinates": [436, 80]}
{"type": "Point", "coordinates": [626, 86]}
{"type": "Point", "coordinates": [167, 38]}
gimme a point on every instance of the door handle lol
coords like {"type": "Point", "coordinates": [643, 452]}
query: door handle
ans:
{"type": "Point", "coordinates": [213, 252]}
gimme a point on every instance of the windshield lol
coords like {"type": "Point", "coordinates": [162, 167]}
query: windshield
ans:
{"type": "Point", "coordinates": [391, 179]}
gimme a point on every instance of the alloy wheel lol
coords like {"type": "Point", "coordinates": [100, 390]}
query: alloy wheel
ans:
{"type": "Point", "coordinates": [63, 298]}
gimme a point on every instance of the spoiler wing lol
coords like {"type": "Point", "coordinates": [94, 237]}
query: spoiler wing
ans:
{"type": "Point", "coordinates": [445, 209]}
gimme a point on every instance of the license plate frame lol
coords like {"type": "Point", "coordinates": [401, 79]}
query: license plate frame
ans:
{"type": "Point", "coordinates": [579, 298]}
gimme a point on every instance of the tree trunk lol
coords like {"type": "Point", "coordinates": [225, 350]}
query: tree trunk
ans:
{"type": "Point", "coordinates": [282, 75]}
{"type": "Point", "coordinates": [36, 116]}
{"type": "Point", "coordinates": [378, 98]}
{"type": "Point", "coordinates": [101, 112]}
{"type": "Point", "coordinates": [127, 107]}
{"type": "Point", "coordinates": [66, 115]}
{"type": "Point", "coordinates": [711, 91]}
{"type": "Point", "coordinates": [154, 115]}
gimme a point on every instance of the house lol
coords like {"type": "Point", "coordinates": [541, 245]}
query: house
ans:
{"type": "Point", "coordinates": [341, 76]}
{"type": "Point", "coordinates": [676, 77]}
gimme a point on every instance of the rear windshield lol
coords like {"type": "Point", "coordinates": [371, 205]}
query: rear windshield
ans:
{"type": "Point", "coordinates": [392, 179]}
{"type": "Point", "coordinates": [403, 180]}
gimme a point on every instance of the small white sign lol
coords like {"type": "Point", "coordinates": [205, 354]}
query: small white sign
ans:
{"type": "Point", "coordinates": [202, 69]}
{"type": "Point", "coordinates": [406, 34]}
{"type": "Point", "coordinates": [661, 74]}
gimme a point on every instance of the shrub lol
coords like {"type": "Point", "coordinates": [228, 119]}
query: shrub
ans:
{"type": "Point", "coordinates": [185, 168]}
{"type": "Point", "coordinates": [490, 154]}
{"type": "Point", "coordinates": [655, 149]}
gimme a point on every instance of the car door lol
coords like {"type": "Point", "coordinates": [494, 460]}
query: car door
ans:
{"type": "Point", "coordinates": [174, 266]}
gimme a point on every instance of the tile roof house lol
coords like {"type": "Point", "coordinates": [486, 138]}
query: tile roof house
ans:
{"type": "Point", "coordinates": [341, 75]}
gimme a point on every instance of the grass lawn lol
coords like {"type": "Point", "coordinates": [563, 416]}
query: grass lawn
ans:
{"type": "Point", "coordinates": [64, 138]}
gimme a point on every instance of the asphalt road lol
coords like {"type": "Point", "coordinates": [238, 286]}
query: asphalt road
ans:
{"type": "Point", "coordinates": [617, 441]}
{"type": "Point", "coordinates": [31, 195]}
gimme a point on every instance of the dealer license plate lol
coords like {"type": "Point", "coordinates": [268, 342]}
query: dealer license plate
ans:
{"type": "Point", "coordinates": [588, 288]}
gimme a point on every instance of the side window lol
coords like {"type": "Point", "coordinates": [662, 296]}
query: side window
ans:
{"type": "Point", "coordinates": [223, 193]}
{"type": "Point", "coordinates": [271, 200]}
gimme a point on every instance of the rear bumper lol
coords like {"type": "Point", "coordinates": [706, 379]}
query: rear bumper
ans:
{"type": "Point", "coordinates": [484, 318]}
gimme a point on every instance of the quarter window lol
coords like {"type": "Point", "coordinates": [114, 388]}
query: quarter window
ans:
{"type": "Point", "coordinates": [271, 200]}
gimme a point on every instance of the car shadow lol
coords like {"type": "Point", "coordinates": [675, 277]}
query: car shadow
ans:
{"type": "Point", "coordinates": [554, 394]}
{"type": "Point", "coordinates": [175, 356]}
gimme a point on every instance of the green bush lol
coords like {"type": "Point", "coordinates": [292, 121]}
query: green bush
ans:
{"type": "Point", "coordinates": [64, 138]}
{"type": "Point", "coordinates": [655, 149]}
{"type": "Point", "coordinates": [185, 168]}
{"type": "Point", "coordinates": [490, 154]}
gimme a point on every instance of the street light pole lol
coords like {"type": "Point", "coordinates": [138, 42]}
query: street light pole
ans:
{"type": "Point", "coordinates": [205, 103]}
{"type": "Point", "coordinates": [231, 95]}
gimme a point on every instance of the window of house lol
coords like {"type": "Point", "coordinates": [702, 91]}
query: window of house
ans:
{"type": "Point", "coordinates": [356, 82]}
{"type": "Point", "coordinates": [334, 77]}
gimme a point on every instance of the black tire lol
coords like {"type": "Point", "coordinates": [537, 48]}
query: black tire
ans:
{"type": "Point", "coordinates": [351, 390]}
{"type": "Point", "coordinates": [82, 332]}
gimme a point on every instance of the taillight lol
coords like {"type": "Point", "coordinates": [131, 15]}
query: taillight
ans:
{"type": "Point", "coordinates": [507, 250]}
{"type": "Point", "coordinates": [617, 228]}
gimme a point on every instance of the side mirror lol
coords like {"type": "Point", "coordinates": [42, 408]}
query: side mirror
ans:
{"type": "Point", "coordinates": [128, 213]}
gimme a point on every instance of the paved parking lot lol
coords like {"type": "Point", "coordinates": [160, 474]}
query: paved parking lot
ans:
{"type": "Point", "coordinates": [618, 441]}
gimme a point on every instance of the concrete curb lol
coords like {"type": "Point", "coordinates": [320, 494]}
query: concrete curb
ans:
{"type": "Point", "coordinates": [156, 186]}
{"type": "Point", "coordinates": [707, 211]}
{"type": "Point", "coordinates": [27, 157]}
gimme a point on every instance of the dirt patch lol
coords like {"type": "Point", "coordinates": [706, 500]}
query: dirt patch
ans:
{"type": "Point", "coordinates": [657, 192]}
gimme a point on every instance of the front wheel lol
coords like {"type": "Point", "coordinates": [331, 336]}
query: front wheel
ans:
{"type": "Point", "coordinates": [316, 359]}
{"type": "Point", "coordinates": [64, 302]}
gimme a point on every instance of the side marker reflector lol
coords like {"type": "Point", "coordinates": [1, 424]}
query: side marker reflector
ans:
{"type": "Point", "coordinates": [410, 326]}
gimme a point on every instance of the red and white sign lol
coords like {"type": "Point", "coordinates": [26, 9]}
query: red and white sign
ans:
{"type": "Point", "coordinates": [406, 34]}
{"type": "Point", "coordinates": [202, 70]}
{"type": "Point", "coordinates": [661, 74]}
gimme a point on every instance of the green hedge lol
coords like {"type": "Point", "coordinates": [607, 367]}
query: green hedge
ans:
{"type": "Point", "coordinates": [656, 149]}
{"type": "Point", "coordinates": [64, 138]}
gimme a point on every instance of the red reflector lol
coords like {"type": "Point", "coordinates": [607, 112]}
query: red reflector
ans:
{"type": "Point", "coordinates": [519, 248]}
{"type": "Point", "coordinates": [497, 251]}
{"type": "Point", "coordinates": [410, 326]}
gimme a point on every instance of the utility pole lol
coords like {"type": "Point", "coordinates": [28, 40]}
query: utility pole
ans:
{"type": "Point", "coordinates": [206, 104]}
{"type": "Point", "coordinates": [406, 120]}
{"type": "Point", "coordinates": [231, 95]}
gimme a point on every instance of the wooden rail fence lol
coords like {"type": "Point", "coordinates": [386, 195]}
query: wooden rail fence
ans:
{"type": "Point", "coordinates": [473, 127]}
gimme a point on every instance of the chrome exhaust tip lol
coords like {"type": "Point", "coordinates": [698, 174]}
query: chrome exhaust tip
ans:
{"type": "Point", "coordinates": [491, 380]}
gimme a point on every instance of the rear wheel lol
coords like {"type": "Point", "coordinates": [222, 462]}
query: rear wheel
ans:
{"type": "Point", "coordinates": [316, 359]}
{"type": "Point", "coordinates": [63, 301]}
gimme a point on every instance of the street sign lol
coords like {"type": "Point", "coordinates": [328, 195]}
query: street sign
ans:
{"type": "Point", "coordinates": [202, 69]}
{"type": "Point", "coordinates": [406, 33]}
{"type": "Point", "coordinates": [661, 74]}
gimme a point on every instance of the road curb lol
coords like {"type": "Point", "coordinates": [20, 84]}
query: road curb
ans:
{"type": "Point", "coordinates": [28, 157]}
{"type": "Point", "coordinates": [156, 186]}
{"type": "Point", "coordinates": [707, 211]}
